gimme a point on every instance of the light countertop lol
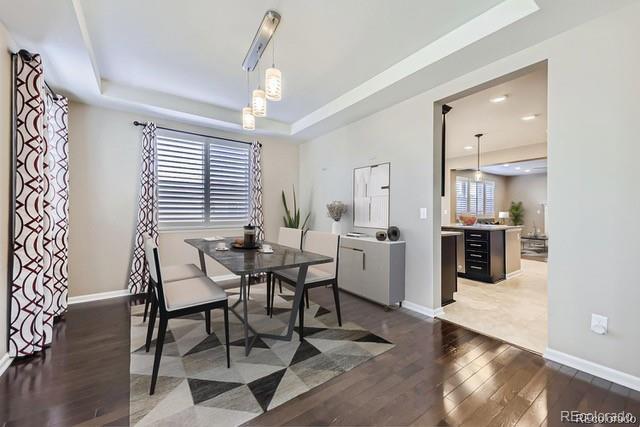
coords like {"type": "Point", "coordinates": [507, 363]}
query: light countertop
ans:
{"type": "Point", "coordinates": [481, 227]}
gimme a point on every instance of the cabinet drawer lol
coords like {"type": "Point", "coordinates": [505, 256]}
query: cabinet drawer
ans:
{"type": "Point", "coordinates": [476, 235]}
{"type": "Point", "coordinates": [477, 267]}
{"type": "Point", "coordinates": [473, 245]}
{"type": "Point", "coordinates": [477, 256]}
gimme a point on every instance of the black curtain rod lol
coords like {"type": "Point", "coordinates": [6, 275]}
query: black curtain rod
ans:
{"type": "Point", "coordinates": [28, 56]}
{"type": "Point", "coordinates": [137, 123]}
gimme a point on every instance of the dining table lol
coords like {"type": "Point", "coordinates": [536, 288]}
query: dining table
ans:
{"type": "Point", "coordinates": [247, 263]}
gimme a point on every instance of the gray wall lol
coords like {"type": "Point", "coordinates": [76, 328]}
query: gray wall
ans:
{"type": "Point", "coordinates": [592, 150]}
{"type": "Point", "coordinates": [326, 174]}
{"type": "Point", "coordinates": [104, 162]}
{"type": "Point", "coordinates": [531, 190]}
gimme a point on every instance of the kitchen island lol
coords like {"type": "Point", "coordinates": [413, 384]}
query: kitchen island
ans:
{"type": "Point", "coordinates": [487, 253]}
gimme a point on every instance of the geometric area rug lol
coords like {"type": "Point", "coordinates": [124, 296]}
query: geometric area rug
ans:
{"type": "Point", "coordinates": [195, 387]}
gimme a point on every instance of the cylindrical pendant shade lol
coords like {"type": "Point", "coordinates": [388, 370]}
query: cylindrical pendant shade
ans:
{"type": "Point", "coordinates": [478, 176]}
{"type": "Point", "coordinates": [273, 84]}
{"type": "Point", "coordinates": [248, 120]}
{"type": "Point", "coordinates": [259, 103]}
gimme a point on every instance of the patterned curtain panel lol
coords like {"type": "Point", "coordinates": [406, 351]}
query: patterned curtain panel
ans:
{"type": "Point", "coordinates": [40, 205]}
{"type": "Point", "coordinates": [257, 216]}
{"type": "Point", "coordinates": [147, 211]}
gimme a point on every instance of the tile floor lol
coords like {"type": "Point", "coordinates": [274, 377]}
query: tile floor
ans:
{"type": "Point", "coordinates": [514, 310]}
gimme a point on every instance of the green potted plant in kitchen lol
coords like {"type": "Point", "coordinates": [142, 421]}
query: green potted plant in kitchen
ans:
{"type": "Point", "coordinates": [516, 213]}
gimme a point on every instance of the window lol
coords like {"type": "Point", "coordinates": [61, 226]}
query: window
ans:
{"type": "Point", "coordinates": [202, 181]}
{"type": "Point", "coordinates": [475, 197]}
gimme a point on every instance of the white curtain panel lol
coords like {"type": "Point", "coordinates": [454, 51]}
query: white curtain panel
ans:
{"type": "Point", "coordinates": [40, 208]}
{"type": "Point", "coordinates": [147, 222]}
{"type": "Point", "coordinates": [257, 216]}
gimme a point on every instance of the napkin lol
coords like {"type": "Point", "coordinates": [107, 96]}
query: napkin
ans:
{"type": "Point", "coordinates": [213, 238]}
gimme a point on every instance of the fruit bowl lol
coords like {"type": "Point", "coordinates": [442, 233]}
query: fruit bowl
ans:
{"type": "Point", "coordinates": [468, 219]}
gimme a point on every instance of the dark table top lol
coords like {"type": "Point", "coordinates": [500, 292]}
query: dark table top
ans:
{"type": "Point", "coordinates": [250, 261]}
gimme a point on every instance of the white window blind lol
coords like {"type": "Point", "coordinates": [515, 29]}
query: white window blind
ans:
{"type": "Point", "coordinates": [462, 194]}
{"type": "Point", "coordinates": [489, 197]}
{"type": "Point", "coordinates": [202, 181]}
{"type": "Point", "coordinates": [475, 197]}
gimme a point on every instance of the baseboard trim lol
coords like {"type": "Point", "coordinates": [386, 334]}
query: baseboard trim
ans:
{"type": "Point", "coordinates": [98, 296]}
{"type": "Point", "coordinates": [5, 362]}
{"type": "Point", "coordinates": [514, 274]}
{"type": "Point", "coordinates": [593, 368]}
{"type": "Point", "coordinates": [431, 312]}
{"type": "Point", "coordinates": [125, 292]}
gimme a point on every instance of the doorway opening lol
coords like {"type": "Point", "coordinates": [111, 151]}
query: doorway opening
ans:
{"type": "Point", "coordinates": [494, 208]}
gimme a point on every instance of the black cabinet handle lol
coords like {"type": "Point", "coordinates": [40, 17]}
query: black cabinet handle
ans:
{"type": "Point", "coordinates": [475, 255]}
{"type": "Point", "coordinates": [475, 235]}
{"type": "Point", "coordinates": [475, 245]}
{"type": "Point", "coordinates": [475, 268]}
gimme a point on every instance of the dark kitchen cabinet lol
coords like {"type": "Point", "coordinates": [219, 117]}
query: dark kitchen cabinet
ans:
{"type": "Point", "coordinates": [484, 255]}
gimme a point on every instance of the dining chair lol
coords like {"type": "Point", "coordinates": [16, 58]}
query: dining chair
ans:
{"type": "Point", "coordinates": [171, 273]}
{"type": "Point", "coordinates": [322, 243]}
{"type": "Point", "coordinates": [180, 298]}
{"type": "Point", "coordinates": [292, 238]}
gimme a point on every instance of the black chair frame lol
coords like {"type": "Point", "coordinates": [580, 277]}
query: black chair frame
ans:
{"type": "Point", "coordinates": [333, 282]}
{"type": "Point", "coordinates": [158, 304]}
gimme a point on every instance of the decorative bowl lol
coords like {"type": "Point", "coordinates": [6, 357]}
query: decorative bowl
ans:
{"type": "Point", "coordinates": [468, 219]}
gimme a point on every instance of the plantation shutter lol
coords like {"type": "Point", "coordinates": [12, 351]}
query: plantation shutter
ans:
{"type": "Point", "coordinates": [229, 178]}
{"type": "Point", "coordinates": [462, 194]}
{"type": "Point", "coordinates": [181, 181]}
{"type": "Point", "coordinates": [489, 194]}
{"type": "Point", "coordinates": [202, 181]}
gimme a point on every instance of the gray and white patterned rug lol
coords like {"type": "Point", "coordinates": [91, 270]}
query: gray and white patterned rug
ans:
{"type": "Point", "coordinates": [195, 387]}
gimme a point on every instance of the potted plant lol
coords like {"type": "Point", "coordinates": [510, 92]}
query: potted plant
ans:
{"type": "Point", "coordinates": [293, 221]}
{"type": "Point", "coordinates": [516, 212]}
{"type": "Point", "coordinates": [335, 210]}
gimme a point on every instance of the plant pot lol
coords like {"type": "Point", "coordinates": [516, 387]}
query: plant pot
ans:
{"type": "Point", "coordinates": [336, 227]}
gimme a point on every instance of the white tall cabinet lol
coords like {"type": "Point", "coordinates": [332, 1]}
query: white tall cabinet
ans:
{"type": "Point", "coordinates": [372, 269]}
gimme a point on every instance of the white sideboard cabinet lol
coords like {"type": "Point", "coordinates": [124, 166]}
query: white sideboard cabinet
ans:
{"type": "Point", "coordinates": [372, 269]}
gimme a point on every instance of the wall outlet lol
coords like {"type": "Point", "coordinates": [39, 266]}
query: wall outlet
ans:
{"type": "Point", "coordinates": [599, 324]}
{"type": "Point", "coordinates": [445, 212]}
{"type": "Point", "coordinates": [423, 213]}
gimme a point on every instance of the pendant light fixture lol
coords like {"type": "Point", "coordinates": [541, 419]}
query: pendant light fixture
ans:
{"type": "Point", "coordinates": [478, 174]}
{"type": "Point", "coordinates": [248, 120]}
{"type": "Point", "coordinates": [273, 78]}
{"type": "Point", "coordinates": [259, 101]}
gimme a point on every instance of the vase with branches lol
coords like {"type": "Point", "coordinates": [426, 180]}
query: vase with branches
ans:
{"type": "Point", "coordinates": [335, 210]}
{"type": "Point", "coordinates": [292, 220]}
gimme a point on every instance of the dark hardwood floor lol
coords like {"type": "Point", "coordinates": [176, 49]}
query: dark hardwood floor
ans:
{"type": "Point", "coordinates": [83, 376]}
{"type": "Point", "coordinates": [438, 374]}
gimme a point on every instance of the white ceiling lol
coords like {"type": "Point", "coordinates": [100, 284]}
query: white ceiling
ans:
{"type": "Point", "coordinates": [527, 167]}
{"type": "Point", "coordinates": [500, 123]}
{"type": "Point", "coordinates": [323, 48]}
{"type": "Point", "coordinates": [341, 59]}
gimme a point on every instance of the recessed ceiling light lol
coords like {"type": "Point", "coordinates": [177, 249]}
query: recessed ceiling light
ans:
{"type": "Point", "coordinates": [468, 147]}
{"type": "Point", "coordinates": [529, 117]}
{"type": "Point", "coordinates": [498, 99]}
{"type": "Point", "coordinates": [527, 170]}
{"type": "Point", "coordinates": [506, 165]}
{"type": "Point", "coordinates": [517, 168]}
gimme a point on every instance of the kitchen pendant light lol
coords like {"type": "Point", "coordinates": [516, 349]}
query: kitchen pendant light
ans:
{"type": "Point", "coordinates": [248, 120]}
{"type": "Point", "coordinates": [273, 78]}
{"type": "Point", "coordinates": [478, 174]}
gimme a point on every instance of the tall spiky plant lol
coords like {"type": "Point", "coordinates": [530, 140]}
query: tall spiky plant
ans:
{"type": "Point", "coordinates": [293, 221]}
